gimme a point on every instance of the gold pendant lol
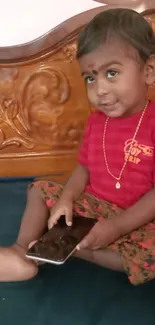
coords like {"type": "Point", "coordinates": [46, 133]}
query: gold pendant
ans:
{"type": "Point", "coordinates": [118, 185]}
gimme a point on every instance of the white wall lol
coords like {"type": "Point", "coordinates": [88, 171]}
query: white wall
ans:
{"type": "Point", "coordinates": [24, 20]}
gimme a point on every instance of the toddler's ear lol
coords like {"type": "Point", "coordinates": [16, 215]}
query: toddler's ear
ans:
{"type": "Point", "coordinates": [150, 71]}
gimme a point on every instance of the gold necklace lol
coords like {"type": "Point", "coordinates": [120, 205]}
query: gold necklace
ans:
{"type": "Point", "coordinates": [118, 179]}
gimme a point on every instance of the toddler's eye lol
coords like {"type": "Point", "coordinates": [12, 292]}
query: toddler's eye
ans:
{"type": "Point", "coordinates": [89, 79]}
{"type": "Point", "coordinates": [111, 73]}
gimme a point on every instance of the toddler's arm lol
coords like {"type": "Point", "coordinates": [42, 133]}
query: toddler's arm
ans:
{"type": "Point", "coordinates": [108, 231]}
{"type": "Point", "coordinates": [76, 184]}
{"type": "Point", "coordinates": [138, 215]}
{"type": "Point", "coordinates": [73, 189]}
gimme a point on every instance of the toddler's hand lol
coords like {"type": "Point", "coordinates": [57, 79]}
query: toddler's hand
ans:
{"type": "Point", "coordinates": [63, 207]}
{"type": "Point", "coordinates": [102, 235]}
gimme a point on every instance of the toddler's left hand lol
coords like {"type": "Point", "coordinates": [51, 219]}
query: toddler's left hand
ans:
{"type": "Point", "coordinates": [103, 234]}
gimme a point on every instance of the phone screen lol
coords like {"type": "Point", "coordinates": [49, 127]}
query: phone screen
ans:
{"type": "Point", "coordinates": [59, 242]}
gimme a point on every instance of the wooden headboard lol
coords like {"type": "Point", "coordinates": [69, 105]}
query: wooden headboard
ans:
{"type": "Point", "coordinates": [43, 102]}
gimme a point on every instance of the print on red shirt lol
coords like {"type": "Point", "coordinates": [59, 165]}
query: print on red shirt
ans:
{"type": "Point", "coordinates": [137, 151]}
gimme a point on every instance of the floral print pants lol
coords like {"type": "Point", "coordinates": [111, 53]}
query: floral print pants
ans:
{"type": "Point", "coordinates": [137, 249]}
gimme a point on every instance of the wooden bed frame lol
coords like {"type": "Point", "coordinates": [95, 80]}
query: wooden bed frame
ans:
{"type": "Point", "coordinates": [43, 102]}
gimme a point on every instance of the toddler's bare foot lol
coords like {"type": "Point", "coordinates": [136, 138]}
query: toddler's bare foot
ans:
{"type": "Point", "coordinates": [14, 266]}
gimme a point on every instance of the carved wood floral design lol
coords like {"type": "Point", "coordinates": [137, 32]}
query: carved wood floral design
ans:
{"type": "Point", "coordinates": [31, 113]}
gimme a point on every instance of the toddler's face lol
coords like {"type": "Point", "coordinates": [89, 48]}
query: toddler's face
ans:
{"type": "Point", "coordinates": [115, 79]}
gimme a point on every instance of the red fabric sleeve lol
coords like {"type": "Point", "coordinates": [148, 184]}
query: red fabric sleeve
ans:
{"type": "Point", "coordinates": [83, 153]}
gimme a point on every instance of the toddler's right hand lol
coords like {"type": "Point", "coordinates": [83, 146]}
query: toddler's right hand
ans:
{"type": "Point", "coordinates": [62, 207]}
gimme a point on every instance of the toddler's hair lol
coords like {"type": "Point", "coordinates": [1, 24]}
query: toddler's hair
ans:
{"type": "Point", "coordinates": [126, 24]}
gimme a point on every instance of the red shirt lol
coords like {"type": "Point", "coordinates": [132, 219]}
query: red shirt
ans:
{"type": "Point", "coordinates": [139, 174]}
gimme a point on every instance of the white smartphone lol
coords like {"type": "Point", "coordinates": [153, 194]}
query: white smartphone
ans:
{"type": "Point", "coordinates": [59, 243]}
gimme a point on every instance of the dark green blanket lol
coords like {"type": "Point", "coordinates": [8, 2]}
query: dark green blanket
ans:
{"type": "Point", "coordinates": [76, 293]}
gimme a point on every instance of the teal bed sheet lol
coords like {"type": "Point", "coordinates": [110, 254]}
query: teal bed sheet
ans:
{"type": "Point", "coordinates": [77, 293]}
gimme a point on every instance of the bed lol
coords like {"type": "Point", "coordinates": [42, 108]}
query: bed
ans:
{"type": "Point", "coordinates": [43, 110]}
